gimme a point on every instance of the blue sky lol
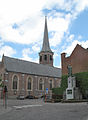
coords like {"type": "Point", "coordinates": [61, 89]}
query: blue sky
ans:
{"type": "Point", "coordinates": [22, 27]}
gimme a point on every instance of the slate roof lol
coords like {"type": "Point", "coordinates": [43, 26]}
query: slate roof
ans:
{"type": "Point", "coordinates": [17, 65]}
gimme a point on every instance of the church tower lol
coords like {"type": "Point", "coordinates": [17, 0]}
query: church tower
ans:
{"type": "Point", "coordinates": [46, 55]}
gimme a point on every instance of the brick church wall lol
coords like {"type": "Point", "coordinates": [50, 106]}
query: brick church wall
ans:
{"type": "Point", "coordinates": [35, 91]}
{"type": "Point", "coordinates": [78, 60]}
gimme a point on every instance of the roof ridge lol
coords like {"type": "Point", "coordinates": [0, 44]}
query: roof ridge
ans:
{"type": "Point", "coordinates": [32, 62]}
{"type": "Point", "coordinates": [27, 67]}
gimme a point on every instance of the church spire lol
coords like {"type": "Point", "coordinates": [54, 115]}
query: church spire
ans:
{"type": "Point", "coordinates": [46, 55]}
{"type": "Point", "coordinates": [46, 46]}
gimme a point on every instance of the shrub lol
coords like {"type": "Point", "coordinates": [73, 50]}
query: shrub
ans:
{"type": "Point", "coordinates": [60, 90]}
{"type": "Point", "coordinates": [81, 82]}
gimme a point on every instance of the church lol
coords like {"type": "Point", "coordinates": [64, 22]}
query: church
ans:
{"type": "Point", "coordinates": [28, 78]}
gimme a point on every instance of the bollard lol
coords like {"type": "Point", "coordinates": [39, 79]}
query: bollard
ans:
{"type": "Point", "coordinates": [5, 97]}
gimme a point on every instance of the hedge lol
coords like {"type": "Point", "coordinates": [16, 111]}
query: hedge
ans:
{"type": "Point", "coordinates": [82, 82]}
{"type": "Point", "coordinates": [60, 90]}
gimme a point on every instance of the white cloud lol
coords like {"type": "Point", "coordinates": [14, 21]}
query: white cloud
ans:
{"type": "Point", "coordinates": [7, 50]}
{"type": "Point", "coordinates": [1, 43]}
{"type": "Point", "coordinates": [55, 55]}
{"type": "Point", "coordinates": [59, 4]}
{"type": "Point", "coordinates": [81, 5]}
{"type": "Point", "coordinates": [56, 39]}
{"type": "Point", "coordinates": [17, 10]}
{"type": "Point", "coordinates": [36, 60]}
{"type": "Point", "coordinates": [78, 6]}
{"type": "Point", "coordinates": [28, 16]}
{"type": "Point", "coordinates": [58, 66]}
{"type": "Point", "coordinates": [70, 38]}
{"type": "Point", "coordinates": [71, 47]}
{"type": "Point", "coordinates": [28, 58]}
{"type": "Point", "coordinates": [26, 53]}
{"type": "Point", "coordinates": [29, 32]}
{"type": "Point", "coordinates": [84, 44]}
{"type": "Point", "coordinates": [59, 25]}
{"type": "Point", "coordinates": [35, 48]}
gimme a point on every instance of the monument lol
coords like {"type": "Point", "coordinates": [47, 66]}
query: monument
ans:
{"type": "Point", "coordinates": [70, 94]}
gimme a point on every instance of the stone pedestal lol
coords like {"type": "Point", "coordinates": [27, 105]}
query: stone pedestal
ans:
{"type": "Point", "coordinates": [72, 92]}
{"type": "Point", "coordinates": [69, 93]}
{"type": "Point", "coordinates": [70, 89]}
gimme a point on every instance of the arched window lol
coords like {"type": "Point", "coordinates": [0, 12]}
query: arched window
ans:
{"type": "Point", "coordinates": [51, 82]}
{"type": "Point", "coordinates": [29, 85]}
{"type": "Point", "coordinates": [15, 82]}
{"type": "Point", "coordinates": [40, 58]}
{"type": "Point", "coordinates": [45, 57]}
{"type": "Point", "coordinates": [40, 84]}
{"type": "Point", "coordinates": [50, 57]}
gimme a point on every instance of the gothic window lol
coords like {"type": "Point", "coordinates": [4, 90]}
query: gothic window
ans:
{"type": "Point", "coordinates": [40, 84]}
{"type": "Point", "coordinates": [40, 58]}
{"type": "Point", "coordinates": [50, 57]}
{"type": "Point", "coordinates": [15, 82]}
{"type": "Point", "coordinates": [45, 57]}
{"type": "Point", "coordinates": [50, 84]}
{"type": "Point", "coordinates": [29, 87]}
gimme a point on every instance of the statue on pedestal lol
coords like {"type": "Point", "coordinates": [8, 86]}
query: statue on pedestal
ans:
{"type": "Point", "coordinates": [69, 67]}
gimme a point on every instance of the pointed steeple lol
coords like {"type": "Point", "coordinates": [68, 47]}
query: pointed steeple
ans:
{"type": "Point", "coordinates": [46, 55]}
{"type": "Point", "coordinates": [46, 46]}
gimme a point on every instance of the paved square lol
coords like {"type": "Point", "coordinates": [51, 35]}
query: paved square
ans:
{"type": "Point", "coordinates": [38, 110]}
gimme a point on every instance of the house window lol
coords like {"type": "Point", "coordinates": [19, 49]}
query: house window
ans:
{"type": "Point", "coordinates": [50, 84]}
{"type": "Point", "coordinates": [40, 84]}
{"type": "Point", "coordinates": [45, 57]}
{"type": "Point", "coordinates": [29, 84]}
{"type": "Point", "coordinates": [50, 57]}
{"type": "Point", "coordinates": [15, 81]}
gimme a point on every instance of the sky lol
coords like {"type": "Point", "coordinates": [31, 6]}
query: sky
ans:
{"type": "Point", "coordinates": [22, 27]}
